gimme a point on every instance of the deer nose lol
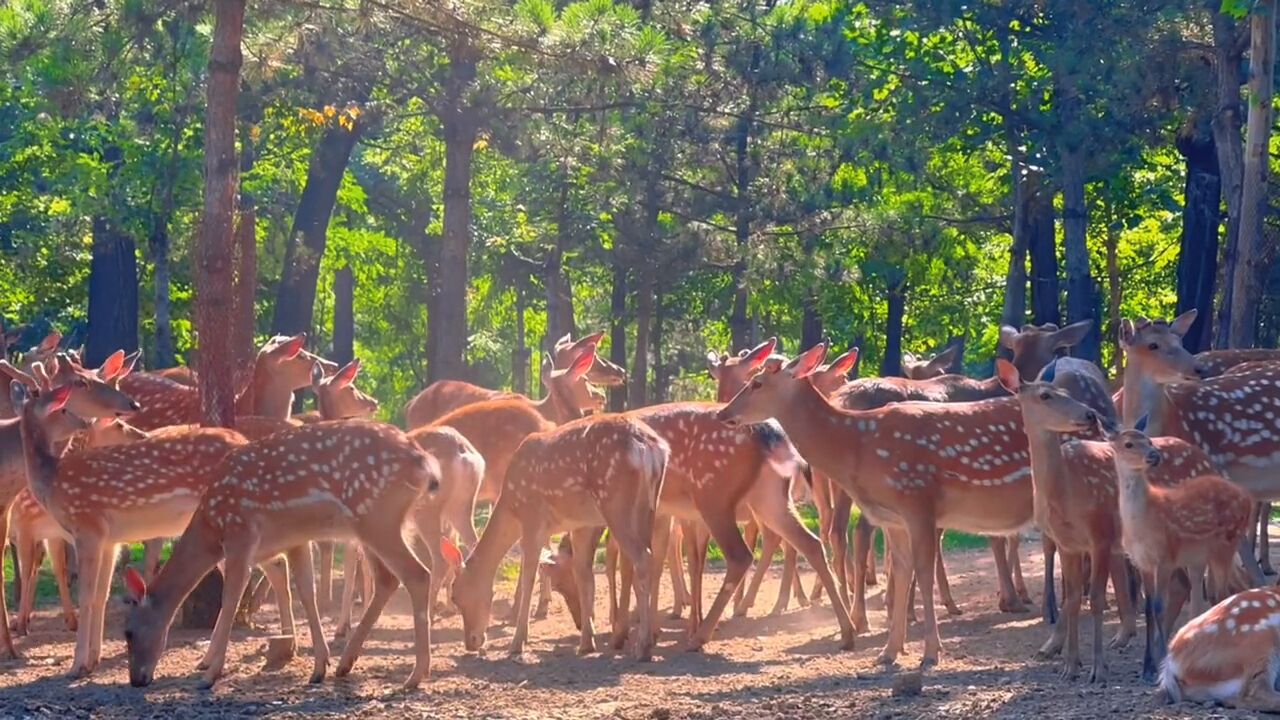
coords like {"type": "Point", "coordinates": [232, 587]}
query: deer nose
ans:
{"type": "Point", "coordinates": [1153, 458]}
{"type": "Point", "coordinates": [1091, 416]}
{"type": "Point", "coordinates": [1200, 370]}
{"type": "Point", "coordinates": [134, 406]}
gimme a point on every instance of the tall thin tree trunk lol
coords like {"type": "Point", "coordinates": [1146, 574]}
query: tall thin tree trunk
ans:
{"type": "Point", "coordinates": [246, 277]}
{"type": "Point", "coordinates": [113, 292]}
{"type": "Point", "coordinates": [618, 327]}
{"type": "Point", "coordinates": [1114, 294]}
{"type": "Point", "coordinates": [520, 354]}
{"type": "Point", "coordinates": [1254, 252]}
{"type": "Point", "coordinates": [344, 315]}
{"type": "Point", "coordinates": [644, 324]}
{"type": "Point", "coordinates": [1082, 300]}
{"type": "Point", "coordinates": [1201, 218]}
{"type": "Point", "coordinates": [1227, 140]}
{"type": "Point", "coordinates": [213, 276]}
{"type": "Point", "coordinates": [296, 294]}
{"type": "Point", "coordinates": [1041, 243]}
{"type": "Point", "coordinates": [897, 302]}
{"type": "Point", "coordinates": [811, 330]}
{"type": "Point", "coordinates": [739, 323]}
{"type": "Point", "coordinates": [661, 369]}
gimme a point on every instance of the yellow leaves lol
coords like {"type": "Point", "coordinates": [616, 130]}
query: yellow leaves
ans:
{"type": "Point", "coordinates": [329, 116]}
{"type": "Point", "coordinates": [255, 132]}
{"type": "Point", "coordinates": [481, 143]}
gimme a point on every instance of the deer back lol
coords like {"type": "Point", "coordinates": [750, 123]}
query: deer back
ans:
{"type": "Point", "coordinates": [1217, 362]}
{"type": "Point", "coordinates": [441, 398]}
{"type": "Point", "coordinates": [496, 428]}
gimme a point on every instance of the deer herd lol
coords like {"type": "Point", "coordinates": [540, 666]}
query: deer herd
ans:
{"type": "Point", "coordinates": [1154, 491]}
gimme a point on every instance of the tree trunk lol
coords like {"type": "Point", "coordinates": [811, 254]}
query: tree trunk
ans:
{"type": "Point", "coordinates": [618, 327]}
{"type": "Point", "coordinates": [214, 301]}
{"type": "Point", "coordinates": [1041, 241]}
{"type": "Point", "coordinates": [644, 323]}
{"type": "Point", "coordinates": [246, 288]}
{"type": "Point", "coordinates": [113, 292]}
{"type": "Point", "coordinates": [344, 315]}
{"type": "Point", "coordinates": [1114, 295]}
{"type": "Point", "coordinates": [897, 300]}
{"type": "Point", "coordinates": [1082, 300]}
{"type": "Point", "coordinates": [296, 294]}
{"type": "Point", "coordinates": [165, 355]}
{"type": "Point", "coordinates": [1229, 144]}
{"type": "Point", "coordinates": [1253, 256]}
{"type": "Point", "coordinates": [661, 369]}
{"type": "Point", "coordinates": [520, 354]}
{"type": "Point", "coordinates": [559, 294]}
{"type": "Point", "coordinates": [739, 324]}
{"type": "Point", "coordinates": [811, 330]}
{"type": "Point", "coordinates": [1015, 286]}
{"type": "Point", "coordinates": [1201, 217]}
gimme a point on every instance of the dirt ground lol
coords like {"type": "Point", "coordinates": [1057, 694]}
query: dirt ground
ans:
{"type": "Point", "coordinates": [755, 668]}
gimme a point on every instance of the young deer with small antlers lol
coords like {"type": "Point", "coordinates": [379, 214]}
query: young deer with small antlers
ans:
{"type": "Point", "coordinates": [1195, 525]}
{"type": "Point", "coordinates": [597, 472]}
{"type": "Point", "coordinates": [1230, 655]}
{"type": "Point", "coordinates": [343, 480]}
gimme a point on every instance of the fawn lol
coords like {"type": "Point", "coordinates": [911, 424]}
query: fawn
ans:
{"type": "Point", "coordinates": [1229, 655]}
{"type": "Point", "coordinates": [344, 480]}
{"type": "Point", "coordinates": [1196, 524]}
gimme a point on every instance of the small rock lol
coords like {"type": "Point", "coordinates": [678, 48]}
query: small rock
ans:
{"type": "Point", "coordinates": [908, 684]}
{"type": "Point", "coordinates": [660, 713]}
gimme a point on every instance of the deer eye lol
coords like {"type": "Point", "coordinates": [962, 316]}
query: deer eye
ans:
{"type": "Point", "coordinates": [755, 384]}
{"type": "Point", "coordinates": [1129, 445]}
{"type": "Point", "coordinates": [1153, 346]}
{"type": "Point", "coordinates": [1044, 396]}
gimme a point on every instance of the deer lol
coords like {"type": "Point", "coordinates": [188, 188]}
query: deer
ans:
{"type": "Point", "coordinates": [445, 396]}
{"type": "Point", "coordinates": [1226, 416]}
{"type": "Point", "coordinates": [914, 368]}
{"type": "Point", "coordinates": [350, 480]}
{"type": "Point", "coordinates": [1229, 655]}
{"type": "Point", "coordinates": [972, 476]}
{"type": "Point", "coordinates": [91, 394]}
{"type": "Point", "coordinates": [586, 475]}
{"type": "Point", "coordinates": [30, 526]}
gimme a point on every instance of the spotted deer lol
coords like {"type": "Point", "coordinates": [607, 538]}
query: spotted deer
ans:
{"type": "Point", "coordinates": [445, 396]}
{"type": "Point", "coordinates": [31, 526]}
{"type": "Point", "coordinates": [1197, 524]}
{"type": "Point", "coordinates": [593, 473]}
{"type": "Point", "coordinates": [1230, 655]}
{"type": "Point", "coordinates": [349, 480]}
{"type": "Point", "coordinates": [90, 394]}
{"type": "Point", "coordinates": [913, 467]}
{"type": "Point", "coordinates": [1232, 417]}
{"type": "Point", "coordinates": [915, 368]}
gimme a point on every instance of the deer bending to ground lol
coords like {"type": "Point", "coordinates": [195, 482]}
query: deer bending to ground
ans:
{"type": "Point", "coordinates": [1194, 525]}
{"type": "Point", "coordinates": [1230, 655]}
{"type": "Point", "coordinates": [344, 480]}
{"type": "Point", "coordinates": [593, 473]}
{"type": "Point", "coordinates": [90, 394]}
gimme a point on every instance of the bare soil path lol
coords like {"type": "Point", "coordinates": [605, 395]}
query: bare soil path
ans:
{"type": "Point", "coordinates": [785, 667]}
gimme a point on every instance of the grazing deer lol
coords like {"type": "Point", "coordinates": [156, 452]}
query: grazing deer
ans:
{"type": "Point", "coordinates": [1194, 525]}
{"type": "Point", "coordinates": [972, 475]}
{"type": "Point", "coordinates": [1229, 655]}
{"type": "Point", "coordinates": [1232, 416]}
{"type": "Point", "coordinates": [444, 396]}
{"type": "Point", "coordinates": [350, 480]}
{"type": "Point", "coordinates": [91, 394]}
{"type": "Point", "coordinates": [597, 472]}
{"type": "Point", "coordinates": [30, 526]}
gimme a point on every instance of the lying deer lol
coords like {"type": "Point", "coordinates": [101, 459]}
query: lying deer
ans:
{"type": "Point", "coordinates": [348, 480]}
{"type": "Point", "coordinates": [1194, 525]}
{"type": "Point", "coordinates": [1229, 655]}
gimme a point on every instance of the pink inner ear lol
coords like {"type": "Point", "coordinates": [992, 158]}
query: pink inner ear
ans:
{"type": "Point", "coordinates": [135, 584]}
{"type": "Point", "coordinates": [347, 375]}
{"type": "Point", "coordinates": [809, 361]}
{"type": "Point", "coordinates": [111, 367]}
{"type": "Point", "coordinates": [293, 347]}
{"type": "Point", "coordinates": [58, 397]}
{"type": "Point", "coordinates": [582, 364]}
{"type": "Point", "coordinates": [845, 362]}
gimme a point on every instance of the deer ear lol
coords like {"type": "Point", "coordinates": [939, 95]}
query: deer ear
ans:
{"type": "Point", "coordinates": [1181, 325]}
{"type": "Point", "coordinates": [581, 366]}
{"type": "Point", "coordinates": [347, 374]}
{"type": "Point", "coordinates": [567, 339]}
{"type": "Point", "coordinates": [112, 365]}
{"type": "Point", "coordinates": [758, 354]}
{"type": "Point", "coordinates": [131, 362]}
{"type": "Point", "coordinates": [591, 341]}
{"type": "Point", "coordinates": [58, 398]}
{"type": "Point", "coordinates": [1127, 331]}
{"type": "Point", "coordinates": [1050, 371]}
{"type": "Point", "coordinates": [18, 396]}
{"type": "Point", "coordinates": [1141, 425]}
{"type": "Point", "coordinates": [942, 361]}
{"type": "Point", "coordinates": [50, 342]}
{"type": "Point", "coordinates": [808, 361]}
{"type": "Point", "coordinates": [1007, 336]}
{"type": "Point", "coordinates": [291, 347]}
{"type": "Point", "coordinates": [713, 364]}
{"type": "Point", "coordinates": [1008, 375]}
{"type": "Point", "coordinates": [1072, 334]}
{"type": "Point", "coordinates": [548, 368]}
{"type": "Point", "coordinates": [452, 554]}
{"type": "Point", "coordinates": [134, 583]}
{"type": "Point", "coordinates": [41, 375]}
{"type": "Point", "coordinates": [317, 374]}
{"type": "Point", "coordinates": [843, 364]}
{"type": "Point", "coordinates": [16, 375]}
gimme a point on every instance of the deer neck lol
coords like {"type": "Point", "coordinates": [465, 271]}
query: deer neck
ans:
{"type": "Point", "coordinates": [194, 555]}
{"type": "Point", "coordinates": [1135, 494]}
{"type": "Point", "coordinates": [41, 457]}
{"type": "Point", "coordinates": [808, 418]}
{"type": "Point", "coordinates": [500, 533]}
{"type": "Point", "coordinates": [272, 398]}
{"type": "Point", "coordinates": [1047, 464]}
{"type": "Point", "coordinates": [555, 408]}
{"type": "Point", "coordinates": [13, 463]}
{"type": "Point", "coordinates": [1144, 397]}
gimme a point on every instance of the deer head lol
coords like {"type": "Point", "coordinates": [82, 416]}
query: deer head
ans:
{"type": "Point", "coordinates": [47, 410]}
{"type": "Point", "coordinates": [146, 632]}
{"type": "Point", "coordinates": [1034, 347]}
{"type": "Point", "coordinates": [732, 372]}
{"type": "Point", "coordinates": [603, 372]}
{"type": "Point", "coordinates": [1045, 407]}
{"type": "Point", "coordinates": [773, 389]}
{"type": "Point", "coordinates": [1134, 451]}
{"type": "Point", "coordinates": [568, 387]}
{"type": "Point", "coordinates": [1153, 349]}
{"type": "Point", "coordinates": [93, 392]}
{"type": "Point", "coordinates": [337, 397]}
{"type": "Point", "coordinates": [922, 369]}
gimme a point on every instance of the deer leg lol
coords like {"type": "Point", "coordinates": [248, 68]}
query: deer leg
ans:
{"type": "Point", "coordinates": [1015, 566]}
{"type": "Point", "coordinates": [58, 558]}
{"type": "Point", "coordinates": [350, 563]}
{"type": "Point", "coordinates": [1195, 573]}
{"type": "Point", "coordinates": [611, 575]}
{"type": "Point", "coordinates": [584, 543]}
{"type": "Point", "coordinates": [1049, 605]}
{"type": "Point", "coordinates": [530, 549]}
{"type": "Point", "coordinates": [822, 503]}
{"type": "Point", "coordinates": [25, 572]}
{"type": "Point", "coordinates": [737, 557]}
{"type": "Point", "coordinates": [1072, 586]}
{"type": "Point", "coordinates": [1101, 570]}
{"type": "Point", "coordinates": [1009, 600]}
{"type": "Point", "coordinates": [1256, 577]}
{"type": "Point", "coordinates": [838, 536]}
{"type": "Point", "coordinates": [1125, 601]}
{"type": "Point", "coordinates": [658, 542]}
{"type": "Point", "coordinates": [925, 556]}
{"type": "Point", "coordinates": [791, 556]}
{"type": "Point", "coordinates": [944, 587]}
{"type": "Point", "coordinates": [7, 651]}
{"type": "Point", "coordinates": [236, 568]}
{"type": "Point", "coordinates": [898, 544]}
{"type": "Point", "coordinates": [695, 548]}
{"type": "Point", "coordinates": [858, 584]}
{"type": "Point", "coordinates": [299, 559]}
{"type": "Point", "coordinates": [633, 526]}
{"type": "Point", "coordinates": [393, 564]}
{"type": "Point", "coordinates": [1258, 694]}
{"type": "Point", "coordinates": [277, 572]}
{"type": "Point", "coordinates": [623, 611]}
{"type": "Point", "coordinates": [749, 535]}
{"type": "Point", "coordinates": [1264, 539]}
{"type": "Point", "coordinates": [325, 549]}
{"type": "Point", "coordinates": [92, 558]}
{"type": "Point", "coordinates": [775, 512]}
{"type": "Point", "coordinates": [678, 589]}
{"type": "Point", "coordinates": [151, 550]}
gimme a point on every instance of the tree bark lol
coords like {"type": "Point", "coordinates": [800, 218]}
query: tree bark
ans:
{"type": "Point", "coordinates": [1041, 242]}
{"type": "Point", "coordinates": [644, 323]}
{"type": "Point", "coordinates": [661, 369]}
{"type": "Point", "coordinates": [344, 315]}
{"type": "Point", "coordinates": [1227, 140]}
{"type": "Point", "coordinates": [246, 278]}
{"type": "Point", "coordinates": [1201, 218]}
{"type": "Point", "coordinates": [1082, 299]}
{"type": "Point", "coordinates": [1015, 285]}
{"type": "Point", "coordinates": [296, 293]}
{"type": "Point", "coordinates": [897, 301]}
{"type": "Point", "coordinates": [811, 329]}
{"type": "Point", "coordinates": [556, 281]}
{"type": "Point", "coordinates": [213, 276]}
{"type": "Point", "coordinates": [739, 323]}
{"type": "Point", "coordinates": [618, 327]}
{"type": "Point", "coordinates": [520, 354]}
{"type": "Point", "coordinates": [113, 292]}
{"type": "Point", "coordinates": [1254, 253]}
{"type": "Point", "coordinates": [1114, 295]}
